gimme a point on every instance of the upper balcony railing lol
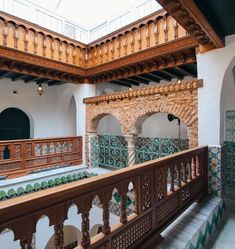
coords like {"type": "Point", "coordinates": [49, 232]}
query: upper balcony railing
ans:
{"type": "Point", "coordinates": [163, 188]}
{"type": "Point", "coordinates": [153, 30]}
{"type": "Point", "coordinates": [32, 154]}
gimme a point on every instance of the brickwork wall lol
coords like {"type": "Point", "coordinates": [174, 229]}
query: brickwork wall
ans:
{"type": "Point", "coordinates": [131, 108]}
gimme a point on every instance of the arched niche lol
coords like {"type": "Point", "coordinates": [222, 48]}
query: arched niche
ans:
{"type": "Point", "coordinates": [14, 124]}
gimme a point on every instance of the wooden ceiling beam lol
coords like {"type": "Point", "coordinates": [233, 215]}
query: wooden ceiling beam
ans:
{"type": "Point", "coordinates": [187, 72]}
{"type": "Point", "coordinates": [5, 75]}
{"type": "Point", "coordinates": [158, 76]}
{"type": "Point", "coordinates": [143, 79]}
{"type": "Point", "coordinates": [18, 77]}
{"type": "Point", "coordinates": [171, 75]}
{"type": "Point", "coordinates": [152, 77]}
{"type": "Point", "coordinates": [130, 81]}
{"type": "Point", "coordinates": [120, 83]}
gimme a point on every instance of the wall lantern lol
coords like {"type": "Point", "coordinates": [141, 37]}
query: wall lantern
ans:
{"type": "Point", "coordinates": [40, 90]}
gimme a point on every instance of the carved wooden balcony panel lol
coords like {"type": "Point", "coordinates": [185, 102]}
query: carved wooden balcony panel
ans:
{"type": "Point", "coordinates": [163, 189]}
{"type": "Point", "coordinates": [26, 155]}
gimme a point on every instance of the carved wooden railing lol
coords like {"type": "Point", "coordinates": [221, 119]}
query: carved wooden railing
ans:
{"type": "Point", "coordinates": [31, 154]}
{"type": "Point", "coordinates": [135, 43]}
{"type": "Point", "coordinates": [156, 29]}
{"type": "Point", "coordinates": [164, 188]}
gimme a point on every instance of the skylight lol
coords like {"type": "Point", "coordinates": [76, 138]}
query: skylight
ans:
{"type": "Point", "coordinates": [83, 20]}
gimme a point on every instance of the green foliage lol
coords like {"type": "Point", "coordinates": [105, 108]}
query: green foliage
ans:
{"type": "Point", "coordinates": [3, 195]}
{"type": "Point", "coordinates": [29, 188]}
{"type": "Point", "coordinates": [20, 191]}
{"type": "Point", "coordinates": [37, 186]}
{"type": "Point", "coordinates": [11, 193]}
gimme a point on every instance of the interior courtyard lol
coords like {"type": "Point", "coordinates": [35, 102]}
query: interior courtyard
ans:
{"type": "Point", "coordinates": [117, 124]}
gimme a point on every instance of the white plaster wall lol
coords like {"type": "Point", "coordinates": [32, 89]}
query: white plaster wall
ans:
{"type": "Point", "coordinates": [157, 125]}
{"type": "Point", "coordinates": [212, 67]}
{"type": "Point", "coordinates": [80, 92]}
{"type": "Point", "coordinates": [51, 115]}
{"type": "Point", "coordinates": [109, 125]}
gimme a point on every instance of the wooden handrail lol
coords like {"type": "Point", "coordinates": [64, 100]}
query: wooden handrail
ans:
{"type": "Point", "coordinates": [163, 188]}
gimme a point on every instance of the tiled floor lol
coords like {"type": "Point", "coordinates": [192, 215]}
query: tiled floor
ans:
{"type": "Point", "coordinates": [224, 236]}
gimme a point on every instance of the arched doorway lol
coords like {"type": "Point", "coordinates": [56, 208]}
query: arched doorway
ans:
{"type": "Point", "coordinates": [14, 124]}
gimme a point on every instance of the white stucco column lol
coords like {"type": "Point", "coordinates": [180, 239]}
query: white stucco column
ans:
{"type": "Point", "coordinates": [80, 92]}
{"type": "Point", "coordinates": [131, 140]}
{"type": "Point", "coordinates": [212, 67]}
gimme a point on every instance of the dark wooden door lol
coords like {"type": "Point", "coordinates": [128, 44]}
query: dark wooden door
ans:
{"type": "Point", "coordinates": [14, 124]}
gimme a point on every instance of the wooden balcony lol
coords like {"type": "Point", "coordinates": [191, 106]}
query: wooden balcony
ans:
{"type": "Point", "coordinates": [163, 189]}
{"type": "Point", "coordinates": [22, 156]}
{"type": "Point", "coordinates": [149, 44]}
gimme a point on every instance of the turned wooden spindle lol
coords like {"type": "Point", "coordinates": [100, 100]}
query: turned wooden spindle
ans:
{"type": "Point", "coordinates": [194, 166]}
{"type": "Point", "coordinates": [26, 243]}
{"type": "Point", "coordinates": [189, 162]}
{"type": "Point", "coordinates": [172, 172]}
{"type": "Point", "coordinates": [85, 230]}
{"type": "Point", "coordinates": [185, 172]}
{"type": "Point", "coordinates": [123, 217]}
{"type": "Point", "coordinates": [59, 236]}
{"type": "Point", "coordinates": [106, 225]}
{"type": "Point", "coordinates": [179, 175]}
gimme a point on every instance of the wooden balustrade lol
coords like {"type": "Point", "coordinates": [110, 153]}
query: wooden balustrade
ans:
{"type": "Point", "coordinates": [27, 37]}
{"type": "Point", "coordinates": [68, 60]}
{"type": "Point", "coordinates": [26, 155]}
{"type": "Point", "coordinates": [164, 188]}
{"type": "Point", "coordinates": [156, 29]}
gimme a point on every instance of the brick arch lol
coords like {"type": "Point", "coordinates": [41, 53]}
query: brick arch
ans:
{"type": "Point", "coordinates": [129, 107]}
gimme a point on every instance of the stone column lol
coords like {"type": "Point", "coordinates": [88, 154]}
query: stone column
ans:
{"type": "Point", "coordinates": [93, 148]}
{"type": "Point", "coordinates": [131, 139]}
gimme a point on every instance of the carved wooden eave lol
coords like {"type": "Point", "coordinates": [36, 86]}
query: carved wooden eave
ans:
{"type": "Point", "coordinates": [167, 55]}
{"type": "Point", "coordinates": [191, 18]}
{"type": "Point", "coordinates": [161, 90]}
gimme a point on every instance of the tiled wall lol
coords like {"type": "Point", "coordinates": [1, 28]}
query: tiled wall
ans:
{"type": "Point", "coordinates": [215, 171]}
